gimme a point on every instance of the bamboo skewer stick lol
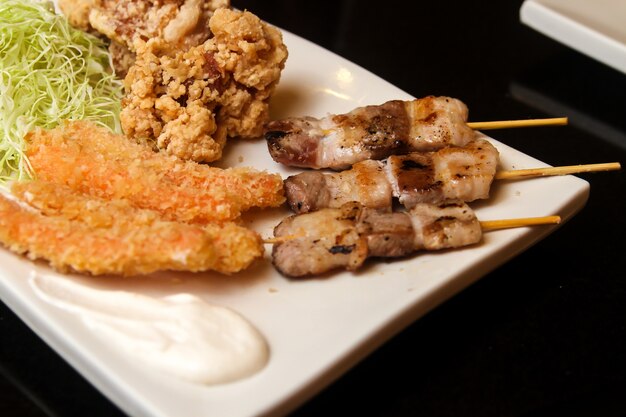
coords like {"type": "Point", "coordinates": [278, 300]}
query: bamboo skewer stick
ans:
{"type": "Point", "coordinates": [520, 222]}
{"type": "Point", "coordinates": [512, 174]}
{"type": "Point", "coordinates": [503, 124]}
{"type": "Point", "coordinates": [562, 170]}
{"type": "Point", "coordinates": [281, 239]}
{"type": "Point", "coordinates": [507, 124]}
{"type": "Point", "coordinates": [486, 225]}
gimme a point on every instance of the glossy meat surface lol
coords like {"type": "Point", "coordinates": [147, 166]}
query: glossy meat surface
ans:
{"type": "Point", "coordinates": [343, 238]}
{"type": "Point", "coordinates": [451, 173]}
{"type": "Point", "coordinates": [370, 132]}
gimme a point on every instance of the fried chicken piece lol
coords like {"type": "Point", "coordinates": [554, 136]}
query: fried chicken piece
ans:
{"type": "Point", "coordinates": [180, 22]}
{"type": "Point", "coordinates": [92, 160]}
{"type": "Point", "coordinates": [77, 12]}
{"type": "Point", "coordinates": [184, 22]}
{"type": "Point", "coordinates": [122, 59]}
{"type": "Point", "coordinates": [75, 232]}
{"type": "Point", "coordinates": [188, 102]}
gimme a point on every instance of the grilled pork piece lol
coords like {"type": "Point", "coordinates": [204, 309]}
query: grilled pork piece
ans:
{"type": "Point", "coordinates": [451, 173]}
{"type": "Point", "coordinates": [371, 132]}
{"type": "Point", "coordinates": [333, 238]}
{"type": "Point", "coordinates": [367, 182]}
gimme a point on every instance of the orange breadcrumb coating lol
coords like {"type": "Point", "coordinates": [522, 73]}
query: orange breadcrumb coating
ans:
{"type": "Point", "coordinates": [187, 102]}
{"type": "Point", "coordinates": [91, 160]}
{"type": "Point", "coordinates": [75, 232]}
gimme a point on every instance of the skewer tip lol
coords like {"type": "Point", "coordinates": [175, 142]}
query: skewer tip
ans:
{"type": "Point", "coordinates": [520, 222]}
{"type": "Point", "coordinates": [486, 225]}
{"type": "Point", "coordinates": [554, 171]}
{"type": "Point", "coordinates": [507, 124]}
{"type": "Point", "coordinates": [281, 239]}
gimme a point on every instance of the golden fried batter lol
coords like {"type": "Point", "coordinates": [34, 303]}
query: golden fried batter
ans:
{"type": "Point", "coordinates": [177, 21]}
{"type": "Point", "coordinates": [77, 12]}
{"type": "Point", "coordinates": [75, 232]}
{"type": "Point", "coordinates": [91, 160]}
{"type": "Point", "coordinates": [122, 59]}
{"type": "Point", "coordinates": [180, 22]}
{"type": "Point", "coordinates": [187, 102]}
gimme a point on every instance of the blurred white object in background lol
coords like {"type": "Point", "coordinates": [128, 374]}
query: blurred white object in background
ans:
{"type": "Point", "coordinates": [596, 28]}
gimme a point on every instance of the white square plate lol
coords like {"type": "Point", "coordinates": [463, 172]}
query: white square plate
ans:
{"type": "Point", "coordinates": [316, 328]}
{"type": "Point", "coordinates": [596, 28]}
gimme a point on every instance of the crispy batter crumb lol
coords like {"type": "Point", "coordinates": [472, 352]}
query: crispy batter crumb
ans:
{"type": "Point", "coordinates": [77, 12]}
{"type": "Point", "coordinates": [187, 102]}
{"type": "Point", "coordinates": [122, 58]}
{"type": "Point", "coordinates": [180, 22]}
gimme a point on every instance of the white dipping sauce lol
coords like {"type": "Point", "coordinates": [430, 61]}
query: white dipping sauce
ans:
{"type": "Point", "coordinates": [181, 335]}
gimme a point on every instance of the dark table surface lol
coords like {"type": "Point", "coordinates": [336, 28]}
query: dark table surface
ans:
{"type": "Point", "coordinates": [543, 335]}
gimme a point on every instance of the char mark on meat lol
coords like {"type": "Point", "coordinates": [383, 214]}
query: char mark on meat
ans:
{"type": "Point", "coordinates": [343, 238]}
{"type": "Point", "coordinates": [370, 132]}
{"type": "Point", "coordinates": [451, 173]}
{"type": "Point", "coordinates": [307, 191]}
{"type": "Point", "coordinates": [293, 142]}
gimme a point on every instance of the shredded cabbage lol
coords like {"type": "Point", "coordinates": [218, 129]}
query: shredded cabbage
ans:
{"type": "Point", "coordinates": [49, 72]}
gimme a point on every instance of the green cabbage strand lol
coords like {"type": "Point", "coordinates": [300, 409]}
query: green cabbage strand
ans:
{"type": "Point", "coordinates": [49, 72]}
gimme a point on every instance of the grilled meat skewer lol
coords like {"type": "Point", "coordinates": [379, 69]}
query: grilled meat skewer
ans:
{"type": "Point", "coordinates": [370, 132]}
{"type": "Point", "coordinates": [345, 237]}
{"type": "Point", "coordinates": [451, 173]}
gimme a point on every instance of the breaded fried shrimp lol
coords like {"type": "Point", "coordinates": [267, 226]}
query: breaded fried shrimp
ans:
{"type": "Point", "coordinates": [91, 235]}
{"type": "Point", "coordinates": [96, 162]}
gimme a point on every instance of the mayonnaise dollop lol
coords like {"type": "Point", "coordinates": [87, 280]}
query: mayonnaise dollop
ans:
{"type": "Point", "coordinates": [181, 335]}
